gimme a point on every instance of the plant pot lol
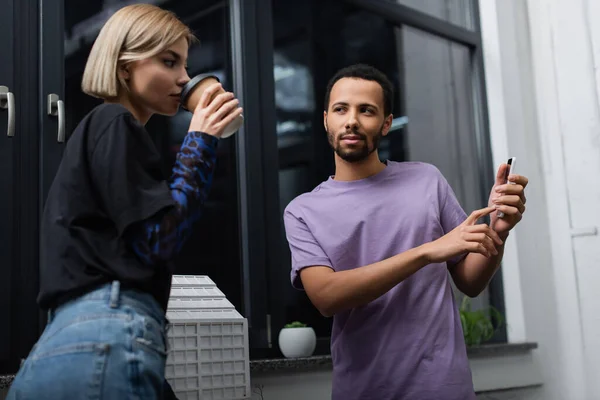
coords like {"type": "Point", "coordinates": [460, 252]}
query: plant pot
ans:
{"type": "Point", "coordinates": [297, 342]}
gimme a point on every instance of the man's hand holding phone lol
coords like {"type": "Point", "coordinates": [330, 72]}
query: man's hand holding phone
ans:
{"type": "Point", "coordinates": [508, 195]}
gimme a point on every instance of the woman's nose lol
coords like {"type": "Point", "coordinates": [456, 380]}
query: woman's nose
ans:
{"type": "Point", "coordinates": [185, 78]}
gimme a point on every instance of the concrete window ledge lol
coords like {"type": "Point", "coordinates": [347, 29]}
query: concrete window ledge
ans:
{"type": "Point", "coordinates": [314, 363]}
{"type": "Point", "coordinates": [499, 371]}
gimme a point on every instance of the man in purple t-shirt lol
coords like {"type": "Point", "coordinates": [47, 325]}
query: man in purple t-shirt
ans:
{"type": "Point", "coordinates": [374, 246]}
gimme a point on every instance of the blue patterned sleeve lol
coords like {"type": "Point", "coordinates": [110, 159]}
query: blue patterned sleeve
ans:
{"type": "Point", "coordinates": [161, 237]}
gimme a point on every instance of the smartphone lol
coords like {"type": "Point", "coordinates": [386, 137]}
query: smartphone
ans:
{"type": "Point", "coordinates": [509, 171]}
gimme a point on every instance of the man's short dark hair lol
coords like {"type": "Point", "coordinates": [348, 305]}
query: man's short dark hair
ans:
{"type": "Point", "coordinates": [368, 73]}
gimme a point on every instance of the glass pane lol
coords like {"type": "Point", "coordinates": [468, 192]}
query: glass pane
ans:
{"type": "Point", "coordinates": [439, 106]}
{"type": "Point", "coordinates": [215, 237]}
{"type": "Point", "coordinates": [294, 96]}
{"type": "Point", "coordinates": [433, 109]}
{"type": "Point", "coordinates": [437, 91]}
{"type": "Point", "coordinates": [458, 12]}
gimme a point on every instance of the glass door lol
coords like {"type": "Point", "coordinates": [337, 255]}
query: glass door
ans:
{"type": "Point", "coordinates": [8, 128]}
{"type": "Point", "coordinates": [213, 249]}
{"type": "Point", "coordinates": [19, 180]}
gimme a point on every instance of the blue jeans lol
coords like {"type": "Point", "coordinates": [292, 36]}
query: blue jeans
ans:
{"type": "Point", "coordinates": [107, 344]}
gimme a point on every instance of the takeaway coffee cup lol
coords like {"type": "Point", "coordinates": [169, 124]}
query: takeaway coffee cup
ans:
{"type": "Point", "coordinates": [192, 92]}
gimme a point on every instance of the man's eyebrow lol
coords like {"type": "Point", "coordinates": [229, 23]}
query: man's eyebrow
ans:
{"type": "Point", "coordinates": [343, 103]}
{"type": "Point", "coordinates": [369, 105]}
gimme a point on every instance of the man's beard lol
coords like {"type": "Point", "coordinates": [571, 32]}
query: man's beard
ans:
{"type": "Point", "coordinates": [360, 151]}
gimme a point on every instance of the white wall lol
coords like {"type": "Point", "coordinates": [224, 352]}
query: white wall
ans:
{"type": "Point", "coordinates": [542, 69]}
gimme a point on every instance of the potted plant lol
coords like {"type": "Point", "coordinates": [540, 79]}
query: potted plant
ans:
{"type": "Point", "coordinates": [478, 326]}
{"type": "Point", "coordinates": [297, 340]}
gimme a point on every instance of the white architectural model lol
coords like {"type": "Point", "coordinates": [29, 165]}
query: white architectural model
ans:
{"type": "Point", "coordinates": [207, 342]}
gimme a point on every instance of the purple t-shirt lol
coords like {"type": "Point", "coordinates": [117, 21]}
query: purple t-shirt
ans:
{"type": "Point", "coordinates": [407, 344]}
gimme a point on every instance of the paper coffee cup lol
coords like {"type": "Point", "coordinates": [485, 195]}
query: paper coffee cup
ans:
{"type": "Point", "coordinates": [192, 92]}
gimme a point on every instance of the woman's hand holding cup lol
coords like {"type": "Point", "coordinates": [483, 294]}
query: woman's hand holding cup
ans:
{"type": "Point", "coordinates": [215, 110]}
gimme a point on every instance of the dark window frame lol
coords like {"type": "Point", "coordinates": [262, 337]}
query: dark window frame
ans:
{"type": "Point", "coordinates": [251, 25]}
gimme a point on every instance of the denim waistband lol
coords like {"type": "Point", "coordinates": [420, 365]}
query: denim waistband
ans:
{"type": "Point", "coordinates": [115, 296]}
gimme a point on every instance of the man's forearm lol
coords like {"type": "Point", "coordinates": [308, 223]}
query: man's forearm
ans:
{"type": "Point", "coordinates": [472, 275]}
{"type": "Point", "coordinates": [352, 288]}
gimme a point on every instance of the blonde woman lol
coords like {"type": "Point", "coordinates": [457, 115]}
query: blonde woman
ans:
{"type": "Point", "coordinates": [112, 222]}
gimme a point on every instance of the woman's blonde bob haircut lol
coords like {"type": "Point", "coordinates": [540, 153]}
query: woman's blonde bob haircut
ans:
{"type": "Point", "coordinates": [134, 32]}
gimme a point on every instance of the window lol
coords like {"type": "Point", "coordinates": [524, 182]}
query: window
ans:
{"type": "Point", "coordinates": [214, 247]}
{"type": "Point", "coordinates": [435, 118]}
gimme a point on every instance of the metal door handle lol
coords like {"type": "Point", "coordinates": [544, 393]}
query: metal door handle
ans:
{"type": "Point", "coordinates": [7, 101]}
{"type": "Point", "coordinates": [56, 107]}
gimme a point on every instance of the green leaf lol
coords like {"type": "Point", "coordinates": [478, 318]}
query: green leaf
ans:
{"type": "Point", "coordinates": [478, 326]}
{"type": "Point", "coordinates": [295, 324]}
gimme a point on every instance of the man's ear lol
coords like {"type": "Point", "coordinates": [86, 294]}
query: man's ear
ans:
{"type": "Point", "coordinates": [387, 125]}
{"type": "Point", "coordinates": [325, 121]}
